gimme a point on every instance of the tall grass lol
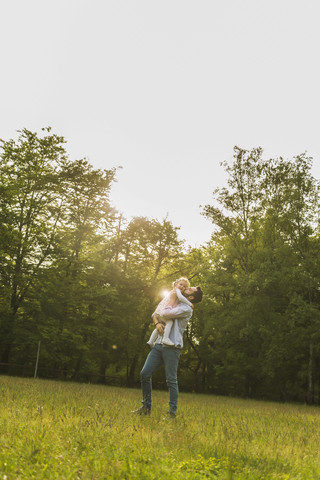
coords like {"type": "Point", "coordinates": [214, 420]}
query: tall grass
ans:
{"type": "Point", "coordinates": [53, 430]}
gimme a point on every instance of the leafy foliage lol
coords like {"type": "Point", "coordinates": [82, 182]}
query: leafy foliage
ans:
{"type": "Point", "coordinates": [81, 279]}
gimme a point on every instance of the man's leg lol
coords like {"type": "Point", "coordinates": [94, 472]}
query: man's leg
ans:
{"type": "Point", "coordinates": [171, 359]}
{"type": "Point", "coordinates": [153, 362]}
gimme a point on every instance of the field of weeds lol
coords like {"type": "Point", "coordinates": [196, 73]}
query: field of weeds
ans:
{"type": "Point", "coordinates": [54, 430]}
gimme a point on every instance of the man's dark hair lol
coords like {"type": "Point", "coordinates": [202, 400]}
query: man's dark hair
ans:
{"type": "Point", "coordinates": [197, 296]}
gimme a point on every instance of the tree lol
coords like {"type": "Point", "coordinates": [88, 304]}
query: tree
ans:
{"type": "Point", "coordinates": [32, 201]}
{"type": "Point", "coordinates": [145, 251]}
{"type": "Point", "coordinates": [262, 254]}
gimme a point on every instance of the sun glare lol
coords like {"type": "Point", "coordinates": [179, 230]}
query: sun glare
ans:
{"type": "Point", "coordinates": [164, 293]}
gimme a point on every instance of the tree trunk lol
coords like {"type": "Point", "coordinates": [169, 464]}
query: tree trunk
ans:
{"type": "Point", "coordinates": [131, 372]}
{"type": "Point", "coordinates": [7, 336]}
{"type": "Point", "coordinates": [309, 397]}
{"type": "Point", "coordinates": [102, 372]}
{"type": "Point", "coordinates": [77, 369]}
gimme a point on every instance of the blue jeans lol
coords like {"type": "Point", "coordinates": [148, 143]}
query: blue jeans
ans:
{"type": "Point", "coordinates": [158, 356]}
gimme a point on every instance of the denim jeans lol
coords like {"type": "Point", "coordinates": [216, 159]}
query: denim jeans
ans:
{"type": "Point", "coordinates": [158, 356]}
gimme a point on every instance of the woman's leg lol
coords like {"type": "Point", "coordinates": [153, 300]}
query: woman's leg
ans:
{"type": "Point", "coordinates": [167, 329]}
{"type": "Point", "coordinates": [153, 337]}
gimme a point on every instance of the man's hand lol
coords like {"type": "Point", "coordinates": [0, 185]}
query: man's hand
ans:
{"type": "Point", "coordinates": [159, 325]}
{"type": "Point", "coordinates": [160, 328]}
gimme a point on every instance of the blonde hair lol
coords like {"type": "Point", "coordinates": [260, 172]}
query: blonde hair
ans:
{"type": "Point", "coordinates": [179, 280]}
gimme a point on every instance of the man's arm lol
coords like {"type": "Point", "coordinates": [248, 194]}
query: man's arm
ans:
{"type": "Point", "coordinates": [180, 311]}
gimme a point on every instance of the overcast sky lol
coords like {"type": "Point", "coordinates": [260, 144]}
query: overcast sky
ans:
{"type": "Point", "coordinates": [165, 89]}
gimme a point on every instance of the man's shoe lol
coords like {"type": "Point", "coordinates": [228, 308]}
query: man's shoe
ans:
{"type": "Point", "coordinates": [169, 416]}
{"type": "Point", "coordinates": [141, 411]}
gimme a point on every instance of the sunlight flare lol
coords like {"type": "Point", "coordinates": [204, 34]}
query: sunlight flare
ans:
{"type": "Point", "coordinates": [164, 293]}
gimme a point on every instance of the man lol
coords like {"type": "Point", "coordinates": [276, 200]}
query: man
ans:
{"type": "Point", "coordinates": [168, 356]}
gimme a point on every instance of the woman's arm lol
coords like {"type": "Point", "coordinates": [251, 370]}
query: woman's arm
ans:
{"type": "Point", "coordinates": [182, 298]}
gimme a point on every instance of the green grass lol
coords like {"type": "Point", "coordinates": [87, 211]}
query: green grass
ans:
{"type": "Point", "coordinates": [52, 430]}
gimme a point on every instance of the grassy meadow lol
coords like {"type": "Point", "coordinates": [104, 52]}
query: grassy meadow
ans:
{"type": "Point", "coordinates": [53, 430]}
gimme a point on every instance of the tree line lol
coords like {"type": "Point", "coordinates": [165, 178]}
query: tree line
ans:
{"type": "Point", "coordinates": [79, 277]}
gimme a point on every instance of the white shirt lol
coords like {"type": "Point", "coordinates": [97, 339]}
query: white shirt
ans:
{"type": "Point", "coordinates": [181, 315]}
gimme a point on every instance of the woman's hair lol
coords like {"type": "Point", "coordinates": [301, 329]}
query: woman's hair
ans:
{"type": "Point", "coordinates": [179, 280]}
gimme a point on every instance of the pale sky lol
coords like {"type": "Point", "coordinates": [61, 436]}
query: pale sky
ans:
{"type": "Point", "coordinates": [165, 89]}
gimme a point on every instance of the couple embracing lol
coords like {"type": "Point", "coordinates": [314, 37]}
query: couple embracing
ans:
{"type": "Point", "coordinates": [170, 319]}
